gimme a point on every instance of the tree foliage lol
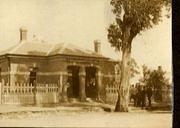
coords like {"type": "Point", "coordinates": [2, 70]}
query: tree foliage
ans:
{"type": "Point", "coordinates": [131, 17]}
{"type": "Point", "coordinates": [156, 79]}
{"type": "Point", "coordinates": [138, 15]}
{"type": "Point", "coordinates": [134, 68]}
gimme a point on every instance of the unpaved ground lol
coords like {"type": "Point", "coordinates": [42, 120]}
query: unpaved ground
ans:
{"type": "Point", "coordinates": [86, 118]}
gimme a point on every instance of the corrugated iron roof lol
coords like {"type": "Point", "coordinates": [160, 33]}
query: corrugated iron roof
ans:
{"type": "Point", "coordinates": [45, 49]}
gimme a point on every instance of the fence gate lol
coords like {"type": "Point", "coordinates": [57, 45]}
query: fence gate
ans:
{"type": "Point", "coordinates": [111, 93]}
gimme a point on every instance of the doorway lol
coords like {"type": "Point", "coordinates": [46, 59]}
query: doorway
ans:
{"type": "Point", "coordinates": [73, 79]}
{"type": "Point", "coordinates": [32, 77]}
{"type": "Point", "coordinates": [91, 86]}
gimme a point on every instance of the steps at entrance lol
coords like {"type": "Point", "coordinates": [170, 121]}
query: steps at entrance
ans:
{"type": "Point", "coordinates": [73, 100]}
{"type": "Point", "coordinates": [76, 100]}
{"type": "Point", "coordinates": [90, 100]}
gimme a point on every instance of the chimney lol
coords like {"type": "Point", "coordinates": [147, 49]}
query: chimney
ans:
{"type": "Point", "coordinates": [23, 34]}
{"type": "Point", "coordinates": [97, 46]}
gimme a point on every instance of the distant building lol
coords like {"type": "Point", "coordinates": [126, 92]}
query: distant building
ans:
{"type": "Point", "coordinates": [38, 62]}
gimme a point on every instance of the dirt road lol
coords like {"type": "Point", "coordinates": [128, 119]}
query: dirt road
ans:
{"type": "Point", "coordinates": [87, 119]}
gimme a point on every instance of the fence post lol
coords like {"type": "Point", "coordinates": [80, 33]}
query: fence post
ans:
{"type": "Point", "coordinates": [35, 89]}
{"type": "Point", "coordinates": [2, 90]}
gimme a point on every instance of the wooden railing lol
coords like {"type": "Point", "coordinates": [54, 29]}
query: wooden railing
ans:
{"type": "Point", "coordinates": [26, 93]}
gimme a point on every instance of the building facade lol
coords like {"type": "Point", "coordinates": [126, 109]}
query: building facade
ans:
{"type": "Point", "coordinates": [78, 73]}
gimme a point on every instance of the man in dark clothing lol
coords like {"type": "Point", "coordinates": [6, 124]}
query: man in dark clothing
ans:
{"type": "Point", "coordinates": [149, 95]}
{"type": "Point", "coordinates": [138, 95]}
{"type": "Point", "coordinates": [133, 94]}
{"type": "Point", "coordinates": [143, 97]}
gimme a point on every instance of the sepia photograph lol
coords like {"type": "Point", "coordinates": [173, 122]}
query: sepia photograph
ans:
{"type": "Point", "coordinates": [86, 63]}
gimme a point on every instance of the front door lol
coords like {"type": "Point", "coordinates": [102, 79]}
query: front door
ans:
{"type": "Point", "coordinates": [73, 89]}
{"type": "Point", "coordinates": [91, 88]}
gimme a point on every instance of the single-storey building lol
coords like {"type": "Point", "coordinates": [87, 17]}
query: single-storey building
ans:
{"type": "Point", "coordinates": [33, 69]}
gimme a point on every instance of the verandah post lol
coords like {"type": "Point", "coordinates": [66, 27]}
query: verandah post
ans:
{"type": "Point", "coordinates": [82, 77]}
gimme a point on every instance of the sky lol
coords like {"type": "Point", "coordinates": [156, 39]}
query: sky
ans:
{"type": "Point", "coordinates": [80, 22]}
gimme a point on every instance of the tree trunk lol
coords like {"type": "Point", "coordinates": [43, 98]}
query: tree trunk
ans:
{"type": "Point", "coordinates": [123, 92]}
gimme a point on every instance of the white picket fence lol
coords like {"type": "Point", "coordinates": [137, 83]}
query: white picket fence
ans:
{"type": "Point", "coordinates": [111, 93]}
{"type": "Point", "coordinates": [47, 93]}
{"type": "Point", "coordinates": [26, 93]}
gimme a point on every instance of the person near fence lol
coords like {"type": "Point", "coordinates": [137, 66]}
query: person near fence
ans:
{"type": "Point", "coordinates": [143, 97]}
{"type": "Point", "coordinates": [133, 94]}
{"type": "Point", "coordinates": [138, 95]}
{"type": "Point", "coordinates": [66, 85]}
{"type": "Point", "coordinates": [149, 95]}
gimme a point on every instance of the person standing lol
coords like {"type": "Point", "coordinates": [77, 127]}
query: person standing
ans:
{"type": "Point", "coordinates": [143, 97]}
{"type": "Point", "coordinates": [133, 94]}
{"type": "Point", "coordinates": [138, 100]}
{"type": "Point", "coordinates": [149, 95]}
{"type": "Point", "coordinates": [66, 85]}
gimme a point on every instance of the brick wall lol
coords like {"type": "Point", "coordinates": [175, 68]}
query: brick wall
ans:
{"type": "Point", "coordinates": [54, 69]}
